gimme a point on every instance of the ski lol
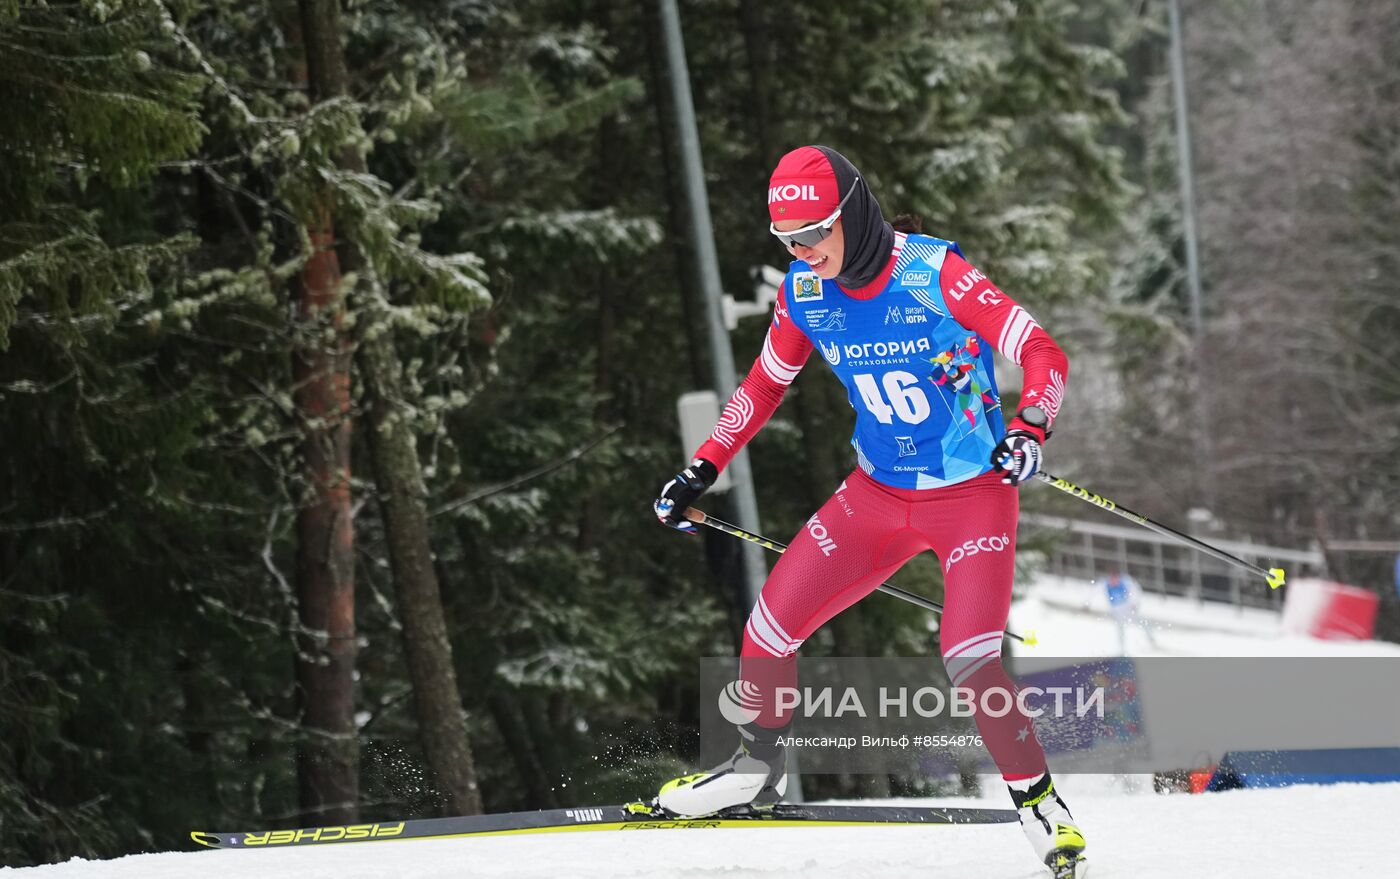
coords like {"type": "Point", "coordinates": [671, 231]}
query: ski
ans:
{"type": "Point", "coordinates": [631, 816]}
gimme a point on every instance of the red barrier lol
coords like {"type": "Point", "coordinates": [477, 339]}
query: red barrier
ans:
{"type": "Point", "coordinates": [1199, 779]}
{"type": "Point", "coordinates": [1331, 611]}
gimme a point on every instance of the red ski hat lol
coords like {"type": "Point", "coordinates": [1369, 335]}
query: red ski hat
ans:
{"type": "Point", "coordinates": [809, 184]}
{"type": "Point", "coordinates": [803, 187]}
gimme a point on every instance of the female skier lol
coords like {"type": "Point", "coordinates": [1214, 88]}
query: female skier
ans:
{"type": "Point", "coordinates": [908, 326]}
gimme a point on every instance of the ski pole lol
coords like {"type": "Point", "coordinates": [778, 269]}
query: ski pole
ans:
{"type": "Point", "coordinates": [1274, 576]}
{"type": "Point", "coordinates": [700, 517]}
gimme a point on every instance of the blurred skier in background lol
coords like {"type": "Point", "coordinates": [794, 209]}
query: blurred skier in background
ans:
{"type": "Point", "coordinates": [909, 327]}
{"type": "Point", "coordinates": [1125, 606]}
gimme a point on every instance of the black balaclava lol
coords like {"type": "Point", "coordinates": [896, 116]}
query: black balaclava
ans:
{"type": "Point", "coordinates": [869, 239]}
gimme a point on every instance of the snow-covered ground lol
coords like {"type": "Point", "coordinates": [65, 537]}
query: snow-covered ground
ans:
{"type": "Point", "coordinates": [1341, 830]}
{"type": "Point", "coordinates": [1070, 618]}
{"type": "Point", "coordinates": [1303, 831]}
{"type": "Point", "coordinates": [1195, 714]}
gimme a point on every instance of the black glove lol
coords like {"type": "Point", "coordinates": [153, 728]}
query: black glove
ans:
{"type": "Point", "coordinates": [683, 490]}
{"type": "Point", "coordinates": [1018, 456]}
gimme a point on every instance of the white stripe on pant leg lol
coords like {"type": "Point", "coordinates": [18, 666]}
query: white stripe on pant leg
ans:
{"type": "Point", "coordinates": [762, 607]}
{"type": "Point", "coordinates": [970, 642]}
{"type": "Point", "coordinates": [767, 633]}
{"type": "Point", "coordinates": [990, 645]}
{"type": "Point", "coordinates": [761, 638]}
{"type": "Point", "coordinates": [968, 666]}
{"type": "Point", "coordinates": [970, 655]}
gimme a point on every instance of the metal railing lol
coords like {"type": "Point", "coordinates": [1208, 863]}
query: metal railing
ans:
{"type": "Point", "coordinates": [1092, 550]}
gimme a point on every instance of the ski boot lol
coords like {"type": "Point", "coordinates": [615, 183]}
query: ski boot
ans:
{"type": "Point", "coordinates": [1049, 826]}
{"type": "Point", "coordinates": [755, 775]}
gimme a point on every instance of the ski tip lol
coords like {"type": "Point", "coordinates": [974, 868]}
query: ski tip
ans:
{"type": "Point", "coordinates": [1276, 577]}
{"type": "Point", "coordinates": [207, 840]}
{"type": "Point", "coordinates": [1029, 638]}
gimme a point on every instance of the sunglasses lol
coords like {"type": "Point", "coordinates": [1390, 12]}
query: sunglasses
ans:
{"type": "Point", "coordinates": [810, 236]}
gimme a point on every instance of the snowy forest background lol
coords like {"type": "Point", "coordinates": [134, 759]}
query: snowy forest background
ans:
{"type": "Point", "coordinates": [301, 533]}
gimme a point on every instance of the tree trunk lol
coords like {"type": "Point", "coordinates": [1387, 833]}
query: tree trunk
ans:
{"type": "Point", "coordinates": [328, 756]}
{"type": "Point", "coordinates": [442, 722]}
{"type": "Point", "coordinates": [402, 494]}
